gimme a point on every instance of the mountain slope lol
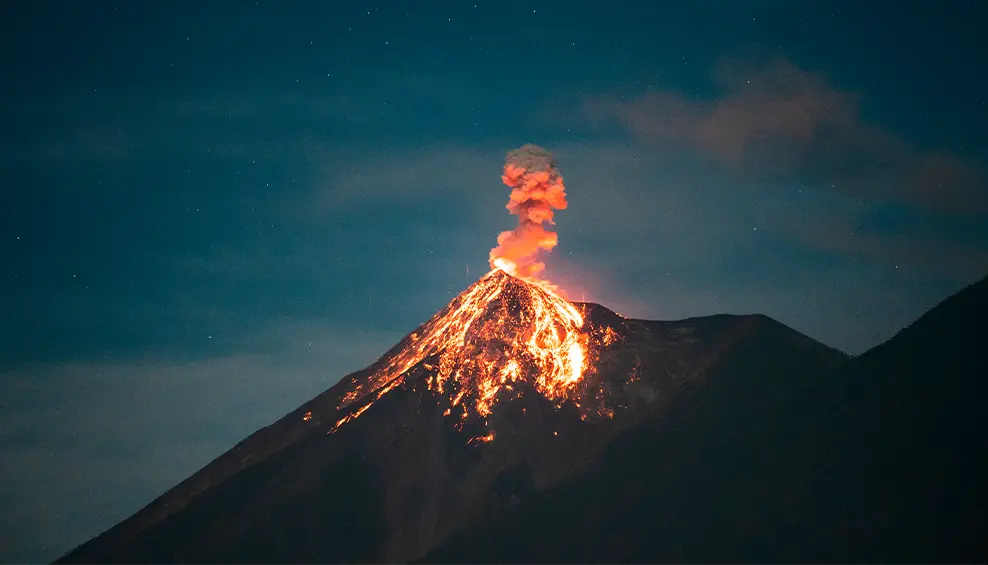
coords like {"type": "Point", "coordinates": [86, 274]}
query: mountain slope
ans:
{"type": "Point", "coordinates": [884, 461]}
{"type": "Point", "coordinates": [458, 424]}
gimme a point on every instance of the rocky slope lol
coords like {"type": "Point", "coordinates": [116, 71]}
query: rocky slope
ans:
{"type": "Point", "coordinates": [659, 405]}
{"type": "Point", "coordinates": [884, 460]}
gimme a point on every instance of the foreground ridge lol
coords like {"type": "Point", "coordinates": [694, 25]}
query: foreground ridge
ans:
{"type": "Point", "coordinates": [507, 392]}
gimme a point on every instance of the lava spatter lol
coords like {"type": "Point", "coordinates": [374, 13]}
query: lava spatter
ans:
{"type": "Point", "coordinates": [498, 332]}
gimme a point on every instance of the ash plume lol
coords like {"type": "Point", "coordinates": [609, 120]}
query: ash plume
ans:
{"type": "Point", "coordinates": [537, 191]}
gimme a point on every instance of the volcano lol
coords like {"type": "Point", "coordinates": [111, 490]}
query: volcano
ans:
{"type": "Point", "coordinates": [883, 460]}
{"type": "Point", "coordinates": [515, 425]}
{"type": "Point", "coordinates": [502, 335]}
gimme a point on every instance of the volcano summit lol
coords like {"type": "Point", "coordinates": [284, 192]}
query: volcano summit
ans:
{"type": "Point", "coordinates": [504, 393]}
{"type": "Point", "coordinates": [501, 333]}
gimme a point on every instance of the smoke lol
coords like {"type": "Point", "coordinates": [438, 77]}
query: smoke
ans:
{"type": "Point", "coordinates": [537, 191]}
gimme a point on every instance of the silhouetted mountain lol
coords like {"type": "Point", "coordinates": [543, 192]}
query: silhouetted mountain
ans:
{"type": "Point", "coordinates": [883, 461]}
{"type": "Point", "coordinates": [322, 484]}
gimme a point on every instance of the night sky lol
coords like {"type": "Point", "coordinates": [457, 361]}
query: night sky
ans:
{"type": "Point", "coordinates": [214, 210]}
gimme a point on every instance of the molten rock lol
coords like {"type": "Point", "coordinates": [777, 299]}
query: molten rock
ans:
{"type": "Point", "coordinates": [499, 332]}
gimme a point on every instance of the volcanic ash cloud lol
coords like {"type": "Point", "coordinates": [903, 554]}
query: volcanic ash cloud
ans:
{"type": "Point", "coordinates": [537, 191]}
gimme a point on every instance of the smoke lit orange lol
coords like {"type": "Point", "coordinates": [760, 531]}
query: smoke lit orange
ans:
{"type": "Point", "coordinates": [537, 192]}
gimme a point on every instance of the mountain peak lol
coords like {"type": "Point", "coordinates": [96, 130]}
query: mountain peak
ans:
{"type": "Point", "coordinates": [508, 390]}
{"type": "Point", "coordinates": [500, 332]}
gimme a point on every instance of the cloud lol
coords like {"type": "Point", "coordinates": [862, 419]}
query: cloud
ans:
{"type": "Point", "coordinates": [663, 234]}
{"type": "Point", "coordinates": [99, 128]}
{"type": "Point", "coordinates": [781, 122]}
{"type": "Point", "coordinates": [84, 445]}
{"type": "Point", "coordinates": [944, 182]}
{"type": "Point", "coordinates": [778, 102]}
{"type": "Point", "coordinates": [99, 144]}
{"type": "Point", "coordinates": [348, 177]}
{"type": "Point", "coordinates": [928, 249]}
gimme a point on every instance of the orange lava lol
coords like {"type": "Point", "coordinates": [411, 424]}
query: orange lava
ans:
{"type": "Point", "coordinates": [498, 332]}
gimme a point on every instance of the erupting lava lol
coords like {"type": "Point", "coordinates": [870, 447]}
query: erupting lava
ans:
{"type": "Point", "coordinates": [498, 332]}
{"type": "Point", "coordinates": [508, 328]}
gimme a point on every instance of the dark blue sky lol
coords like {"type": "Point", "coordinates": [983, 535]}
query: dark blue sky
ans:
{"type": "Point", "coordinates": [213, 211]}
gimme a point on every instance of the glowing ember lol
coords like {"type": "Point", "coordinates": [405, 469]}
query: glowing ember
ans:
{"type": "Point", "coordinates": [499, 331]}
{"type": "Point", "coordinates": [307, 416]}
{"type": "Point", "coordinates": [481, 439]}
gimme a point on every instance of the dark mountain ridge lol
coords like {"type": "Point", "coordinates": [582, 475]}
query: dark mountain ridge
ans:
{"type": "Point", "coordinates": [723, 438]}
{"type": "Point", "coordinates": [882, 461]}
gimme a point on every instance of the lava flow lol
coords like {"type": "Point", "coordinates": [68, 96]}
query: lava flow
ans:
{"type": "Point", "coordinates": [509, 326]}
{"type": "Point", "coordinates": [499, 331]}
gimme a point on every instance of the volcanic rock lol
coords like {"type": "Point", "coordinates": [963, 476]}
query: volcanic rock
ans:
{"type": "Point", "coordinates": [881, 461]}
{"type": "Point", "coordinates": [465, 443]}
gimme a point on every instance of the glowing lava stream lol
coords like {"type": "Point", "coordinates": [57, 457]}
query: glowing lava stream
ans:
{"type": "Point", "coordinates": [501, 330]}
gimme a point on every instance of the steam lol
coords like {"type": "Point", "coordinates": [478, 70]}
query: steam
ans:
{"type": "Point", "coordinates": [537, 191]}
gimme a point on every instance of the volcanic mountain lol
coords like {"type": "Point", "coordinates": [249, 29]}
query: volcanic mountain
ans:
{"type": "Point", "coordinates": [515, 425]}
{"type": "Point", "coordinates": [882, 461]}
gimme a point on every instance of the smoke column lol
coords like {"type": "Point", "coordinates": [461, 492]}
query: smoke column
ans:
{"type": "Point", "coordinates": [537, 191]}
